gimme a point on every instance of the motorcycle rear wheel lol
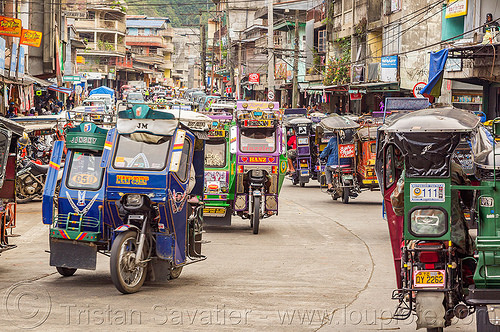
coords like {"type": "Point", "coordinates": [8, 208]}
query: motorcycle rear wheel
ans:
{"type": "Point", "coordinates": [65, 271]}
{"type": "Point", "coordinates": [345, 195]}
{"type": "Point", "coordinates": [127, 277]}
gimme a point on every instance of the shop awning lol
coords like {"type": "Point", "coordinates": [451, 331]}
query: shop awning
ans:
{"type": "Point", "coordinates": [60, 89]}
{"type": "Point", "coordinates": [376, 87]}
{"type": "Point", "coordinates": [36, 80]}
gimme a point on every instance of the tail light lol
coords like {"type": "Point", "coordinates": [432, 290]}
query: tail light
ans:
{"type": "Point", "coordinates": [274, 169]}
{"type": "Point", "coordinates": [240, 169]}
{"type": "Point", "coordinates": [429, 257]}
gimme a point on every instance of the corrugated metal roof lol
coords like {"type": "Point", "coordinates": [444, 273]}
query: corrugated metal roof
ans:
{"type": "Point", "coordinates": [145, 23]}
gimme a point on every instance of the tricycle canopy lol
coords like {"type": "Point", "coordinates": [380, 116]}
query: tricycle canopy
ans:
{"type": "Point", "coordinates": [336, 121]}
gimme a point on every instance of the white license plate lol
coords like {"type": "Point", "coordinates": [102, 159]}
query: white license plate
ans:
{"type": "Point", "coordinates": [348, 177]}
{"type": "Point", "coordinates": [427, 192]}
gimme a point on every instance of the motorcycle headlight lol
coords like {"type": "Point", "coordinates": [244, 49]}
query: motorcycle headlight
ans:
{"type": "Point", "coordinates": [133, 200]}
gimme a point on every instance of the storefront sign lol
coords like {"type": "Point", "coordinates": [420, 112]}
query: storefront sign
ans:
{"type": "Point", "coordinates": [417, 88]}
{"type": "Point", "coordinates": [2, 56]}
{"type": "Point", "coordinates": [71, 78]}
{"type": "Point", "coordinates": [10, 26]}
{"type": "Point", "coordinates": [356, 96]}
{"type": "Point", "coordinates": [13, 60]}
{"type": "Point", "coordinates": [20, 68]}
{"type": "Point", "coordinates": [389, 68]}
{"type": "Point", "coordinates": [254, 78]}
{"type": "Point", "coordinates": [92, 76]}
{"type": "Point", "coordinates": [31, 38]}
{"type": "Point", "coordinates": [456, 8]}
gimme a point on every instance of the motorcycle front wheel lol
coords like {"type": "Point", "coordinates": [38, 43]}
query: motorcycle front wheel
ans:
{"type": "Point", "coordinates": [256, 214]}
{"type": "Point", "coordinates": [127, 276]}
{"type": "Point", "coordinates": [20, 198]}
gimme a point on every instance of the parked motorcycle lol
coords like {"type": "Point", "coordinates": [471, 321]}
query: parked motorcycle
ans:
{"type": "Point", "coordinates": [30, 179]}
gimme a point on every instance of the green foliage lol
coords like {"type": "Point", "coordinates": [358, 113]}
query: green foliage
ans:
{"type": "Point", "coordinates": [337, 70]}
{"type": "Point", "coordinates": [173, 9]}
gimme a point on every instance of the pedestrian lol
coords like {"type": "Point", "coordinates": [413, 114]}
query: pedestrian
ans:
{"type": "Point", "coordinates": [490, 25]}
{"type": "Point", "coordinates": [12, 111]}
{"type": "Point", "coordinates": [331, 155]}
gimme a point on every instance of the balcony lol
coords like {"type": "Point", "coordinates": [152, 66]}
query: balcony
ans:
{"type": "Point", "coordinates": [105, 47]}
{"type": "Point", "coordinates": [318, 14]}
{"type": "Point", "coordinates": [168, 32]}
{"type": "Point", "coordinates": [261, 43]}
{"type": "Point", "coordinates": [100, 25]}
{"type": "Point", "coordinates": [169, 48]}
{"type": "Point", "coordinates": [157, 41]}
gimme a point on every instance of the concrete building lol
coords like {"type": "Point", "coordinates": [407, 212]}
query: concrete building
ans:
{"type": "Point", "coordinates": [103, 31]}
{"type": "Point", "coordinates": [150, 42]}
{"type": "Point", "coordinates": [186, 58]}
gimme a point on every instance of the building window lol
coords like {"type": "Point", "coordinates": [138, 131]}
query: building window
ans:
{"type": "Point", "coordinates": [395, 5]}
{"type": "Point", "coordinates": [322, 41]}
{"type": "Point", "coordinates": [140, 31]}
{"type": "Point", "coordinates": [391, 39]}
{"type": "Point", "coordinates": [91, 15]}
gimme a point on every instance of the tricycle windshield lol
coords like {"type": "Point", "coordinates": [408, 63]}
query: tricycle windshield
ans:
{"type": "Point", "coordinates": [142, 151]}
{"type": "Point", "coordinates": [84, 172]}
{"type": "Point", "coordinates": [257, 139]}
{"type": "Point", "coordinates": [215, 153]}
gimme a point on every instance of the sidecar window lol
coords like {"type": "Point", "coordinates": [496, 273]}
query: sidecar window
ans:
{"type": "Point", "coordinates": [215, 153]}
{"type": "Point", "coordinates": [182, 173]}
{"type": "Point", "coordinates": [84, 172]}
{"type": "Point", "coordinates": [257, 139]}
{"type": "Point", "coordinates": [142, 151]}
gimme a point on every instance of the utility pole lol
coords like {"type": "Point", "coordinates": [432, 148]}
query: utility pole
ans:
{"type": "Point", "coordinates": [203, 55]}
{"type": "Point", "coordinates": [295, 82]}
{"type": "Point", "coordinates": [270, 47]}
{"type": "Point", "coordinates": [229, 62]}
{"type": "Point", "coordinates": [238, 82]}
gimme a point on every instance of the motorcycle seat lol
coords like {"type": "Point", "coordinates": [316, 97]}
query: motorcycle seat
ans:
{"type": "Point", "coordinates": [39, 169]}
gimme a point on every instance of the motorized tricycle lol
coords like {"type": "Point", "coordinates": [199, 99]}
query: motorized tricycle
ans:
{"type": "Point", "coordinates": [366, 154]}
{"type": "Point", "coordinates": [305, 159]}
{"type": "Point", "coordinates": [339, 132]}
{"type": "Point", "coordinates": [132, 193]}
{"type": "Point", "coordinates": [10, 132]}
{"type": "Point", "coordinates": [259, 144]}
{"type": "Point", "coordinates": [219, 172]}
{"type": "Point", "coordinates": [425, 192]}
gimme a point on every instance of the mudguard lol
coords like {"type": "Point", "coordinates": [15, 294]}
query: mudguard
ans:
{"type": "Point", "coordinates": [51, 182]}
{"type": "Point", "coordinates": [126, 227]}
{"type": "Point", "coordinates": [108, 147]}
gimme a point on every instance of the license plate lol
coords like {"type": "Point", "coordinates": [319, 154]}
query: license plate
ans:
{"type": "Point", "coordinates": [427, 192]}
{"type": "Point", "coordinates": [214, 212]}
{"type": "Point", "coordinates": [304, 173]}
{"type": "Point", "coordinates": [429, 278]}
{"type": "Point", "coordinates": [347, 177]}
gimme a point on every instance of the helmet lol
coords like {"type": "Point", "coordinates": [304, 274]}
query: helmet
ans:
{"type": "Point", "coordinates": [23, 141]}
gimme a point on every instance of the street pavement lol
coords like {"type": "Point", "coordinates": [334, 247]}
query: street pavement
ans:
{"type": "Point", "coordinates": [318, 265]}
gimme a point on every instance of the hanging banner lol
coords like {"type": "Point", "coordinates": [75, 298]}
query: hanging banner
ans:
{"type": "Point", "coordinates": [31, 38]}
{"type": "Point", "coordinates": [20, 68]}
{"type": "Point", "coordinates": [10, 26]}
{"type": "Point", "coordinates": [13, 60]}
{"type": "Point", "coordinates": [2, 56]}
{"type": "Point", "coordinates": [456, 8]}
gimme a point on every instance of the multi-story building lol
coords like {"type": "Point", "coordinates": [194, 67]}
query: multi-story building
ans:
{"type": "Point", "coordinates": [150, 42]}
{"type": "Point", "coordinates": [186, 58]}
{"type": "Point", "coordinates": [103, 31]}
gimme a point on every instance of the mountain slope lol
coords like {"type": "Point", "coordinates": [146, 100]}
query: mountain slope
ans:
{"type": "Point", "coordinates": [180, 12]}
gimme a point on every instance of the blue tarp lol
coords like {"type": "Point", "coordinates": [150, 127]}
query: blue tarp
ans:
{"type": "Point", "coordinates": [436, 71]}
{"type": "Point", "coordinates": [102, 90]}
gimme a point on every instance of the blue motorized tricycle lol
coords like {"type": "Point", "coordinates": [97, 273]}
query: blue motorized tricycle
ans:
{"type": "Point", "coordinates": [132, 193]}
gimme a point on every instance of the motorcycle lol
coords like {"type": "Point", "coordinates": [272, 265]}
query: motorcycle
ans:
{"type": "Point", "coordinates": [133, 193]}
{"type": "Point", "coordinates": [344, 180]}
{"type": "Point", "coordinates": [424, 194]}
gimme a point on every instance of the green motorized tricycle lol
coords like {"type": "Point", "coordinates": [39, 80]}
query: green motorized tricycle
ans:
{"type": "Point", "coordinates": [441, 272]}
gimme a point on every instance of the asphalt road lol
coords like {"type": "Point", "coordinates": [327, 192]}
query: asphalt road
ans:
{"type": "Point", "coordinates": [319, 265]}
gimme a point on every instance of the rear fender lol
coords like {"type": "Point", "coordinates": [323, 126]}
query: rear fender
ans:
{"type": "Point", "coordinates": [51, 182]}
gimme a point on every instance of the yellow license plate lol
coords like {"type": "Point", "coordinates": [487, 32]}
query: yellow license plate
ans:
{"type": "Point", "coordinates": [214, 212]}
{"type": "Point", "coordinates": [429, 278]}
